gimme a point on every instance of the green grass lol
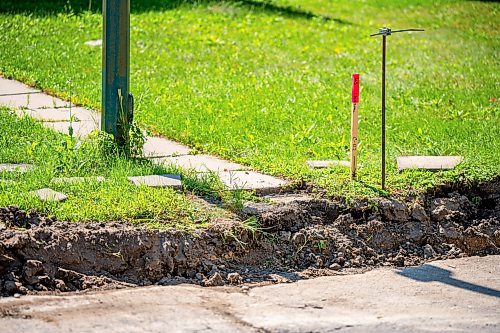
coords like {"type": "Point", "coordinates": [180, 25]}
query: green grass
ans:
{"type": "Point", "coordinates": [55, 155]}
{"type": "Point", "coordinates": [269, 85]}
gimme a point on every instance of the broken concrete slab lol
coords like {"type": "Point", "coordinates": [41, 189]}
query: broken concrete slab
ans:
{"type": "Point", "coordinates": [432, 163]}
{"type": "Point", "coordinates": [15, 167]}
{"type": "Point", "coordinates": [327, 164]}
{"type": "Point", "coordinates": [47, 194]}
{"type": "Point", "coordinates": [96, 42]}
{"type": "Point", "coordinates": [251, 180]}
{"type": "Point", "coordinates": [160, 147]}
{"type": "Point", "coordinates": [168, 180]}
{"type": "Point", "coordinates": [75, 180]}
{"type": "Point", "coordinates": [32, 101]}
{"type": "Point", "coordinates": [201, 163]}
{"type": "Point", "coordinates": [61, 114]}
{"type": "Point", "coordinates": [9, 87]}
{"type": "Point", "coordinates": [80, 129]}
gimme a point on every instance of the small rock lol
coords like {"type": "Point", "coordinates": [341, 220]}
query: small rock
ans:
{"type": "Point", "coordinates": [445, 209]}
{"type": "Point", "coordinates": [429, 251]}
{"type": "Point", "coordinates": [214, 281]}
{"type": "Point", "coordinates": [164, 281]}
{"type": "Point", "coordinates": [418, 213]}
{"type": "Point", "coordinates": [393, 210]}
{"type": "Point", "coordinates": [276, 278]}
{"type": "Point", "coordinates": [285, 235]}
{"type": "Point", "coordinates": [234, 278]}
{"type": "Point", "coordinates": [32, 268]}
{"type": "Point", "coordinates": [11, 286]}
{"type": "Point", "coordinates": [61, 285]}
{"type": "Point", "coordinates": [299, 238]}
{"type": "Point", "coordinates": [335, 267]}
{"type": "Point", "coordinates": [17, 295]}
{"type": "Point", "coordinates": [340, 261]}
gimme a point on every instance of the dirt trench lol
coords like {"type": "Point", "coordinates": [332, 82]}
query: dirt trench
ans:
{"type": "Point", "coordinates": [298, 237]}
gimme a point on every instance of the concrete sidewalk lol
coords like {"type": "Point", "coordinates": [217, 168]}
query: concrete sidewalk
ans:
{"type": "Point", "coordinates": [460, 295]}
{"type": "Point", "coordinates": [55, 113]}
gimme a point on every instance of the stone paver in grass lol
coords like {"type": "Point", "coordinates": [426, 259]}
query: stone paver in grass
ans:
{"type": "Point", "coordinates": [432, 163]}
{"type": "Point", "coordinates": [201, 163]}
{"type": "Point", "coordinates": [80, 128]}
{"type": "Point", "coordinates": [15, 167]}
{"type": "Point", "coordinates": [250, 180]}
{"type": "Point", "coordinates": [61, 114]}
{"type": "Point", "coordinates": [9, 87]}
{"type": "Point", "coordinates": [160, 147]}
{"type": "Point", "coordinates": [158, 181]}
{"type": "Point", "coordinates": [75, 180]}
{"type": "Point", "coordinates": [55, 115]}
{"type": "Point", "coordinates": [327, 164]}
{"type": "Point", "coordinates": [47, 194]}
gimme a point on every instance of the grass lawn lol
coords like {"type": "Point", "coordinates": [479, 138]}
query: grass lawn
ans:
{"type": "Point", "coordinates": [56, 155]}
{"type": "Point", "coordinates": [269, 85]}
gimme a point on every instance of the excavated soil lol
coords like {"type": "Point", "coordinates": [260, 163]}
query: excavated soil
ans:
{"type": "Point", "coordinates": [299, 237]}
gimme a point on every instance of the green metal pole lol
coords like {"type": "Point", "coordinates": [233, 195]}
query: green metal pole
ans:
{"type": "Point", "coordinates": [117, 103]}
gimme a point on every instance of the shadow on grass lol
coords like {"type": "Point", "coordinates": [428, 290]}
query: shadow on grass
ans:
{"type": "Point", "coordinates": [50, 7]}
{"type": "Point", "coordinates": [429, 273]}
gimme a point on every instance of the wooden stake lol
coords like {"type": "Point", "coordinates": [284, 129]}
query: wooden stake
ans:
{"type": "Point", "coordinates": [354, 125]}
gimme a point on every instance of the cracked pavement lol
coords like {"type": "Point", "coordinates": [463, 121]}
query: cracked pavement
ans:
{"type": "Point", "coordinates": [459, 295]}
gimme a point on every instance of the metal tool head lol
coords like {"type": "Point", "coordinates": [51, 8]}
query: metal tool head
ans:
{"type": "Point", "coordinates": [385, 31]}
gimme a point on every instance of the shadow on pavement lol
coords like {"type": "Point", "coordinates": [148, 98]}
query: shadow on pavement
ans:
{"type": "Point", "coordinates": [429, 273]}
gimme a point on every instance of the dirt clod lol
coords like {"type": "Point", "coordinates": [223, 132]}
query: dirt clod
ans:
{"type": "Point", "coordinates": [215, 280]}
{"type": "Point", "coordinates": [234, 278]}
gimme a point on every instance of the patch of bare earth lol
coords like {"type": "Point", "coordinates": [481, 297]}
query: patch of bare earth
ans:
{"type": "Point", "coordinates": [299, 237]}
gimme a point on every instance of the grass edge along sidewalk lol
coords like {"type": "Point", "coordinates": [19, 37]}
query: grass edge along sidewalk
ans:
{"type": "Point", "coordinates": [104, 192]}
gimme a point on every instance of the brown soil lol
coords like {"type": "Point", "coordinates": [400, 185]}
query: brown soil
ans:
{"type": "Point", "coordinates": [299, 237]}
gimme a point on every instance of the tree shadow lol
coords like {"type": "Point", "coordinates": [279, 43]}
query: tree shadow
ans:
{"type": "Point", "coordinates": [51, 7]}
{"type": "Point", "coordinates": [429, 273]}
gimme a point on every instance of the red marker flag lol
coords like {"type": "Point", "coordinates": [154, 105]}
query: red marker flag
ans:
{"type": "Point", "coordinates": [354, 125]}
{"type": "Point", "coordinates": [355, 88]}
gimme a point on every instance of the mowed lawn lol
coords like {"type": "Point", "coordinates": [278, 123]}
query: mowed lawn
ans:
{"type": "Point", "coordinates": [268, 84]}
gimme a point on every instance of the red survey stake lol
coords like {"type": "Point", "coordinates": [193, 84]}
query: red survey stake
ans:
{"type": "Point", "coordinates": [354, 125]}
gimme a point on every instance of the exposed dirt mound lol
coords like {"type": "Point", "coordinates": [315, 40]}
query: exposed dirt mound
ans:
{"type": "Point", "coordinates": [299, 237]}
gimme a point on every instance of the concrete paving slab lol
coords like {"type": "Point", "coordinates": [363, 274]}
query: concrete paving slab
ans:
{"type": "Point", "coordinates": [75, 180]}
{"type": "Point", "coordinates": [15, 167]}
{"type": "Point", "coordinates": [160, 147]}
{"type": "Point", "coordinates": [80, 129]}
{"type": "Point", "coordinates": [8, 87]}
{"type": "Point", "coordinates": [459, 295]}
{"type": "Point", "coordinates": [251, 180]}
{"type": "Point", "coordinates": [158, 181]}
{"type": "Point", "coordinates": [327, 164]}
{"type": "Point", "coordinates": [201, 163]}
{"type": "Point", "coordinates": [47, 194]}
{"type": "Point", "coordinates": [32, 101]}
{"type": "Point", "coordinates": [61, 114]}
{"type": "Point", "coordinates": [96, 42]}
{"type": "Point", "coordinates": [432, 163]}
